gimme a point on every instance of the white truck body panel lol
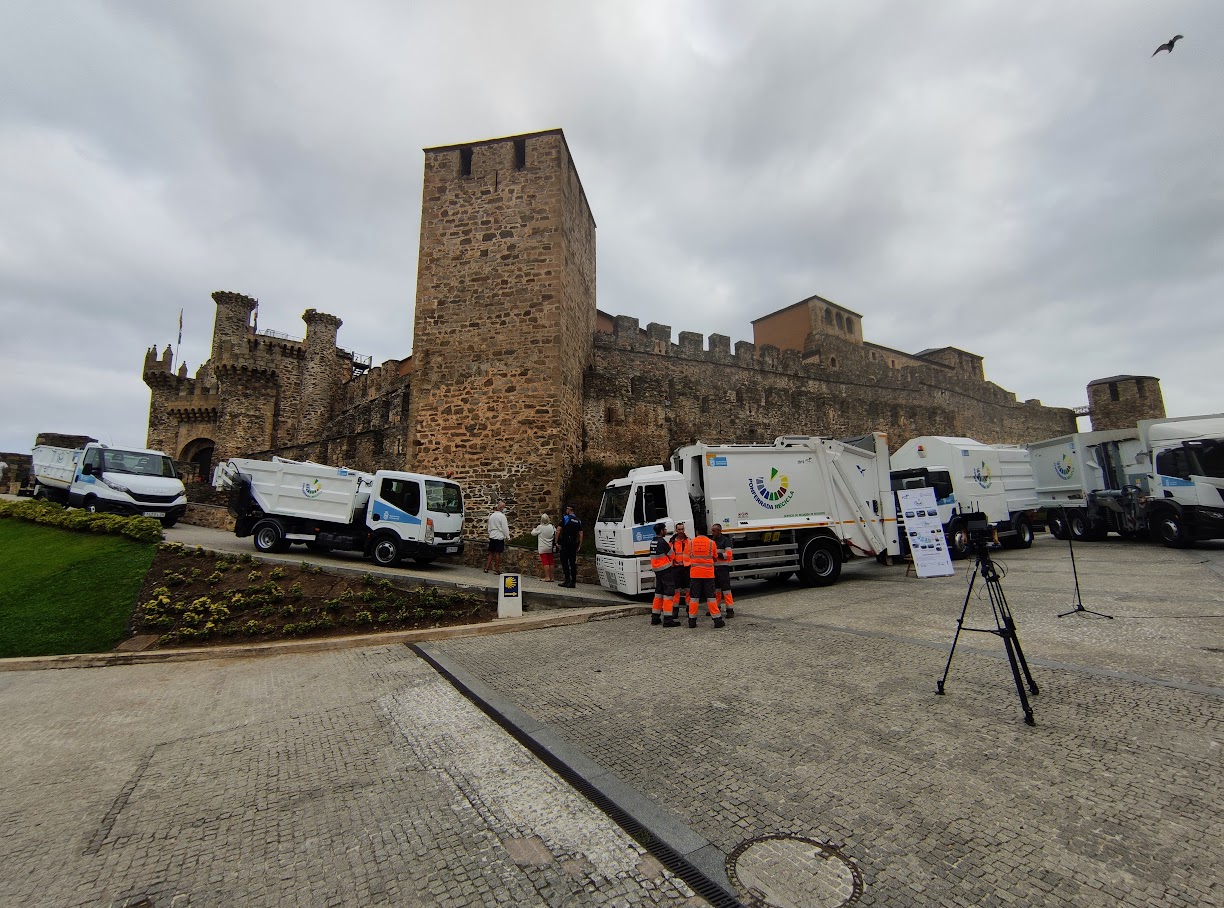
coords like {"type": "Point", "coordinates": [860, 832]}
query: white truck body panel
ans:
{"type": "Point", "coordinates": [55, 467]}
{"type": "Point", "coordinates": [306, 490]}
{"type": "Point", "coordinates": [1066, 469]}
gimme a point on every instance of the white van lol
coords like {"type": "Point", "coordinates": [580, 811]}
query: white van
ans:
{"type": "Point", "coordinates": [132, 481]}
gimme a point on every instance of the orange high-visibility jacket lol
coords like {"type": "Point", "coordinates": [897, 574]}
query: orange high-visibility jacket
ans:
{"type": "Point", "coordinates": [660, 554]}
{"type": "Point", "coordinates": [701, 557]}
{"type": "Point", "coordinates": [680, 551]}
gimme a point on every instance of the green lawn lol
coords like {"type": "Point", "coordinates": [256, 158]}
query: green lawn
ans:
{"type": "Point", "coordinates": [66, 592]}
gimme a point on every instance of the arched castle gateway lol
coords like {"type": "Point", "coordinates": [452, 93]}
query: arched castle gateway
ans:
{"type": "Point", "coordinates": [515, 376]}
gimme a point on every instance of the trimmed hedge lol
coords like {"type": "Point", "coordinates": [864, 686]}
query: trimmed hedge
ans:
{"type": "Point", "coordinates": [141, 529]}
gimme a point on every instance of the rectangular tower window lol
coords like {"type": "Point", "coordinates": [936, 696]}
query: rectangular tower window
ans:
{"type": "Point", "coordinates": [520, 154]}
{"type": "Point", "coordinates": [1113, 390]}
{"type": "Point", "coordinates": [1142, 391]}
{"type": "Point", "coordinates": [465, 162]}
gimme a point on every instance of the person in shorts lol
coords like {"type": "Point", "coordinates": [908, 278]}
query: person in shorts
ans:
{"type": "Point", "coordinates": [546, 544]}
{"type": "Point", "coordinates": [499, 532]}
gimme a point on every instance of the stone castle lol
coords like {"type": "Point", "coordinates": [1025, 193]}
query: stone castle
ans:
{"type": "Point", "coordinates": [516, 377]}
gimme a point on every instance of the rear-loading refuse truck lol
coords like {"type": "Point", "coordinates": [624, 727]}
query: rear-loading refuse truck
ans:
{"type": "Point", "coordinates": [1163, 479]}
{"type": "Point", "coordinates": [970, 477]}
{"type": "Point", "coordinates": [129, 481]}
{"type": "Point", "coordinates": [387, 516]}
{"type": "Point", "coordinates": [802, 504]}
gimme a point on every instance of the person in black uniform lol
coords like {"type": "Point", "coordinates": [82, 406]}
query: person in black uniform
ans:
{"type": "Point", "coordinates": [570, 543]}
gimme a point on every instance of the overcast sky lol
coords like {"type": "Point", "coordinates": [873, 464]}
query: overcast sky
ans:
{"type": "Point", "coordinates": [1022, 180]}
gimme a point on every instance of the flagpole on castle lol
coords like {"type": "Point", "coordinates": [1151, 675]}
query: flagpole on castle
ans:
{"type": "Point", "coordinates": [179, 347]}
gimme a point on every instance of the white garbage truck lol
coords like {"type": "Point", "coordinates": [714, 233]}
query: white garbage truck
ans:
{"type": "Point", "coordinates": [129, 481]}
{"type": "Point", "coordinates": [802, 504]}
{"type": "Point", "coordinates": [1163, 479]}
{"type": "Point", "coordinates": [970, 477]}
{"type": "Point", "coordinates": [387, 515]}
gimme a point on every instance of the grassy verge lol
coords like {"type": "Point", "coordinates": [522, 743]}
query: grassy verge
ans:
{"type": "Point", "coordinates": [66, 592]}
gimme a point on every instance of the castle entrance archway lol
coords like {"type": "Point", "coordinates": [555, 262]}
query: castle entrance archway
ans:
{"type": "Point", "coordinates": [199, 452]}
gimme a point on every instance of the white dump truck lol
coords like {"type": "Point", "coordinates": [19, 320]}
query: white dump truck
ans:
{"type": "Point", "coordinates": [387, 516]}
{"type": "Point", "coordinates": [129, 481]}
{"type": "Point", "coordinates": [970, 477]}
{"type": "Point", "coordinates": [1163, 479]}
{"type": "Point", "coordinates": [802, 504]}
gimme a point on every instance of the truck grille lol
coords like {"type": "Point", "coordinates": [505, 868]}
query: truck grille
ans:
{"type": "Point", "coordinates": [154, 499]}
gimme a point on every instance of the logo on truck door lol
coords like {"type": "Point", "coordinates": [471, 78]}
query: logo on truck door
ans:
{"type": "Point", "coordinates": [772, 493]}
{"type": "Point", "coordinates": [311, 489]}
{"type": "Point", "coordinates": [1064, 466]}
{"type": "Point", "coordinates": [981, 475]}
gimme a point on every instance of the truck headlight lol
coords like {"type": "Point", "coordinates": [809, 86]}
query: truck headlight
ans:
{"type": "Point", "coordinates": [114, 485]}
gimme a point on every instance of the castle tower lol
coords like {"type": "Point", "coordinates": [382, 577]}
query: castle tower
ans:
{"type": "Point", "coordinates": [232, 325]}
{"type": "Point", "coordinates": [505, 313]}
{"type": "Point", "coordinates": [1120, 401]}
{"type": "Point", "coordinates": [320, 376]}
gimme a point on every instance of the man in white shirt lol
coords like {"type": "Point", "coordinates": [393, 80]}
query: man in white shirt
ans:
{"type": "Point", "coordinates": [499, 532]}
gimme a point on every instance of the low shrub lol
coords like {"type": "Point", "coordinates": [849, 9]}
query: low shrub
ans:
{"type": "Point", "coordinates": [141, 529]}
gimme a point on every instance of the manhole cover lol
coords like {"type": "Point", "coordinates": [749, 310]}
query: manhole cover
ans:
{"type": "Point", "coordinates": [794, 872]}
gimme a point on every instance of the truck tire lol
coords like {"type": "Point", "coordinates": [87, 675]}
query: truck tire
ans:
{"type": "Point", "coordinates": [821, 562]}
{"type": "Point", "coordinates": [1077, 525]}
{"type": "Point", "coordinates": [1169, 528]}
{"type": "Point", "coordinates": [1023, 537]}
{"type": "Point", "coordinates": [168, 522]}
{"type": "Point", "coordinates": [40, 494]}
{"type": "Point", "coordinates": [958, 539]}
{"type": "Point", "coordinates": [1056, 522]}
{"type": "Point", "coordinates": [269, 536]}
{"type": "Point", "coordinates": [385, 551]}
{"type": "Point", "coordinates": [90, 505]}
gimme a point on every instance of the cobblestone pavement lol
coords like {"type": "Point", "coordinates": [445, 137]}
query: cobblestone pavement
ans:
{"type": "Point", "coordinates": [814, 716]}
{"type": "Point", "coordinates": [351, 778]}
{"type": "Point", "coordinates": [805, 741]}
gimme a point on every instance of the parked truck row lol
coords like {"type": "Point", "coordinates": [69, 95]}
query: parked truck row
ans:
{"type": "Point", "coordinates": [807, 504]}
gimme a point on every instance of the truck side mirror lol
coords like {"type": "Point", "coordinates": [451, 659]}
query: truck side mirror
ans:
{"type": "Point", "coordinates": [87, 470]}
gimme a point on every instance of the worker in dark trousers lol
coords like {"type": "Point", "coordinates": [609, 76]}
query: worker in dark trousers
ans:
{"type": "Point", "coordinates": [680, 545]}
{"type": "Point", "coordinates": [664, 577]}
{"type": "Point", "coordinates": [722, 570]}
{"type": "Point", "coordinates": [702, 553]}
{"type": "Point", "coordinates": [569, 544]}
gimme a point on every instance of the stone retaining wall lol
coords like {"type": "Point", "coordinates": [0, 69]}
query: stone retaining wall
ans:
{"type": "Point", "coordinates": [208, 515]}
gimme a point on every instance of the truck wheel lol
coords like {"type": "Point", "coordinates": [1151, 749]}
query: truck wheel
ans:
{"type": "Point", "coordinates": [958, 540]}
{"type": "Point", "coordinates": [269, 536]}
{"type": "Point", "coordinates": [40, 494]}
{"type": "Point", "coordinates": [386, 551]}
{"type": "Point", "coordinates": [1056, 522]}
{"type": "Point", "coordinates": [168, 522]}
{"type": "Point", "coordinates": [1169, 529]}
{"type": "Point", "coordinates": [821, 562]}
{"type": "Point", "coordinates": [90, 505]}
{"type": "Point", "coordinates": [1077, 525]}
{"type": "Point", "coordinates": [1024, 533]}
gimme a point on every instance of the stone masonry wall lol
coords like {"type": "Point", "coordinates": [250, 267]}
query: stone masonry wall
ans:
{"type": "Point", "coordinates": [1120, 402]}
{"type": "Point", "coordinates": [505, 315]}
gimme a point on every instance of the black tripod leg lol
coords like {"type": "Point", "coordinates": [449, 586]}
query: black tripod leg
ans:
{"type": "Point", "coordinates": [1011, 629]}
{"type": "Point", "coordinates": [1012, 647]}
{"type": "Point", "coordinates": [960, 623]}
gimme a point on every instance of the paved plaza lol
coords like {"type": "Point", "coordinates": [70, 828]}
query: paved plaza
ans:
{"type": "Point", "coordinates": [803, 746]}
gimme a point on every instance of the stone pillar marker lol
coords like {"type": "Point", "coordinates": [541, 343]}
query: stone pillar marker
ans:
{"type": "Point", "coordinates": [510, 596]}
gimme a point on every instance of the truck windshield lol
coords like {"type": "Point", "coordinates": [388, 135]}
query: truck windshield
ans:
{"type": "Point", "coordinates": [1210, 457]}
{"type": "Point", "coordinates": [138, 463]}
{"type": "Point", "coordinates": [443, 497]}
{"type": "Point", "coordinates": [612, 507]}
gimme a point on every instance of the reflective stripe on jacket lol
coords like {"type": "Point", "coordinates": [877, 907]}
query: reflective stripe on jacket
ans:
{"type": "Point", "coordinates": [660, 554]}
{"type": "Point", "coordinates": [680, 550]}
{"type": "Point", "coordinates": [701, 557]}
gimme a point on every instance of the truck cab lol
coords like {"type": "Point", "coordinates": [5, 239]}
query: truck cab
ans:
{"type": "Point", "coordinates": [1185, 478]}
{"type": "Point", "coordinates": [130, 481]}
{"type": "Point", "coordinates": [624, 527]}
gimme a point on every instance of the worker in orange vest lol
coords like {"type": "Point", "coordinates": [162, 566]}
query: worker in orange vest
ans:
{"type": "Point", "coordinates": [680, 546]}
{"type": "Point", "coordinates": [702, 553]}
{"type": "Point", "coordinates": [722, 570]}
{"type": "Point", "coordinates": [665, 578]}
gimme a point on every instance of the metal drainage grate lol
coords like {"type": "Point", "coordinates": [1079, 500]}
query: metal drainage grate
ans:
{"type": "Point", "coordinates": [780, 871]}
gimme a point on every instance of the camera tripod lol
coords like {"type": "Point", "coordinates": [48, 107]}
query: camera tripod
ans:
{"type": "Point", "coordinates": [1005, 627]}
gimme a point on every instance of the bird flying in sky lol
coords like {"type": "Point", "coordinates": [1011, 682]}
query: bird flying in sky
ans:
{"type": "Point", "coordinates": [1168, 45]}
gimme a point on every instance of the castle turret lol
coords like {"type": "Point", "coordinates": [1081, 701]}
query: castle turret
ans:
{"type": "Point", "coordinates": [505, 313]}
{"type": "Point", "coordinates": [320, 374]}
{"type": "Point", "coordinates": [1120, 401]}
{"type": "Point", "coordinates": [232, 325]}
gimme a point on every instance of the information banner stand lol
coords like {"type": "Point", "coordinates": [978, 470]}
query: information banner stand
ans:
{"type": "Point", "coordinates": [510, 596]}
{"type": "Point", "coordinates": [919, 516]}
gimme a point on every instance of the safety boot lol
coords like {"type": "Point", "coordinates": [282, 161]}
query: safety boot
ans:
{"type": "Point", "coordinates": [729, 612]}
{"type": "Point", "coordinates": [718, 622]}
{"type": "Point", "coordinates": [692, 622]}
{"type": "Point", "coordinates": [656, 619]}
{"type": "Point", "coordinates": [675, 612]}
{"type": "Point", "coordinates": [668, 622]}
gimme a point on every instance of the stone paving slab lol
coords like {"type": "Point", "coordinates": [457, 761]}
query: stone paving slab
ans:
{"type": "Point", "coordinates": [814, 716]}
{"type": "Point", "coordinates": [357, 777]}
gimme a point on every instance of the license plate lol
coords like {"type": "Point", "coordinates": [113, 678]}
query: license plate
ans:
{"type": "Point", "coordinates": [452, 548]}
{"type": "Point", "coordinates": [154, 514]}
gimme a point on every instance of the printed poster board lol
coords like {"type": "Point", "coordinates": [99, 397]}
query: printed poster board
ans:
{"type": "Point", "coordinates": [919, 516]}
